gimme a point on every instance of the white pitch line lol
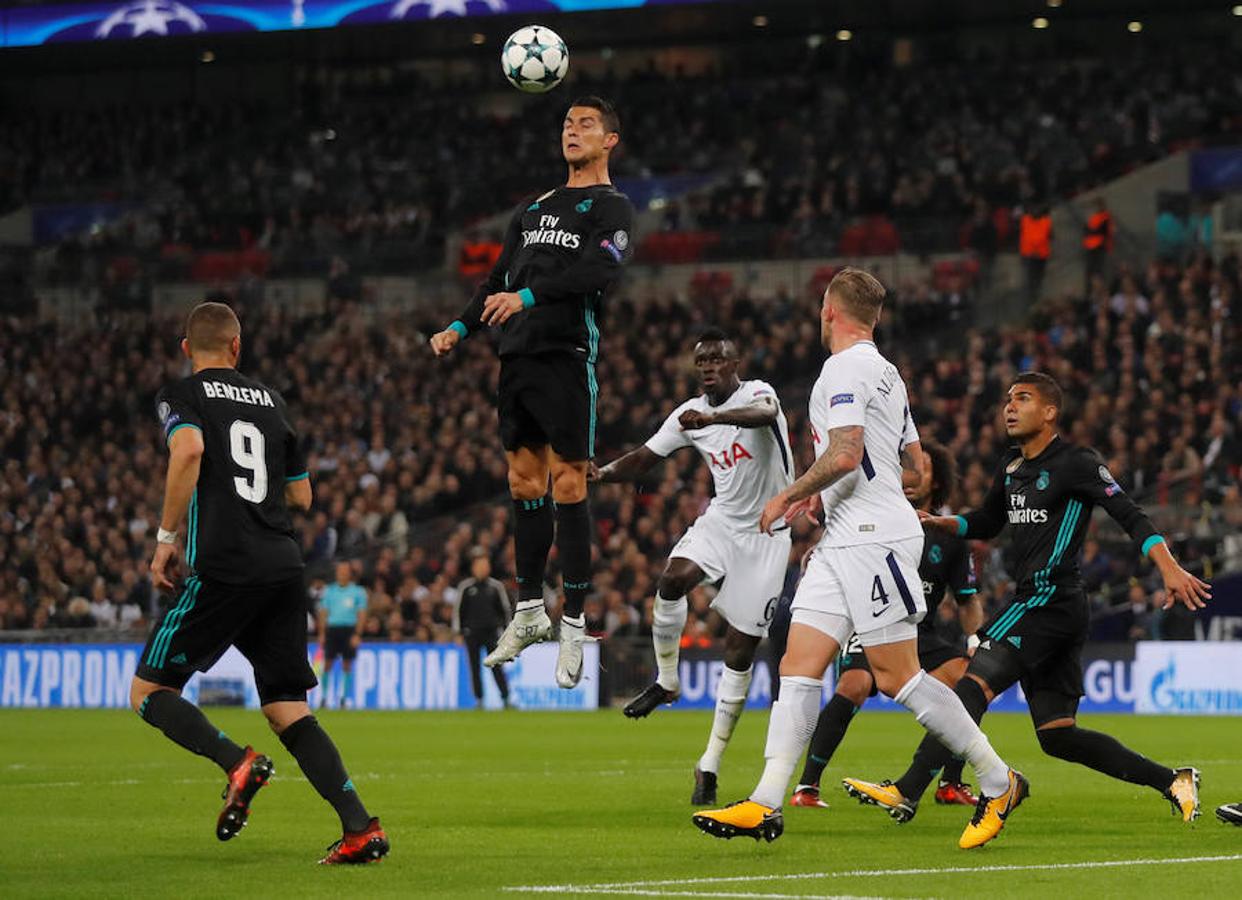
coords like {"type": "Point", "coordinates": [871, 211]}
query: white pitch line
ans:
{"type": "Point", "coordinates": [639, 892]}
{"type": "Point", "coordinates": [611, 887]}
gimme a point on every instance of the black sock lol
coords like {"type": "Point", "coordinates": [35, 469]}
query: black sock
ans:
{"type": "Point", "coordinates": [833, 721]}
{"type": "Point", "coordinates": [321, 763]}
{"type": "Point", "coordinates": [931, 755]}
{"type": "Point", "coordinates": [952, 771]}
{"type": "Point", "coordinates": [1106, 754]}
{"type": "Point", "coordinates": [532, 539]}
{"type": "Point", "coordinates": [573, 545]}
{"type": "Point", "coordinates": [184, 723]}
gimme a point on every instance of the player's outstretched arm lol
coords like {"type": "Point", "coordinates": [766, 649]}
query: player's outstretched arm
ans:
{"type": "Point", "coordinates": [1180, 586]}
{"type": "Point", "coordinates": [844, 455]}
{"type": "Point", "coordinates": [1093, 479]}
{"type": "Point", "coordinates": [185, 455]}
{"type": "Point", "coordinates": [759, 413]}
{"type": "Point", "coordinates": [983, 523]}
{"type": "Point", "coordinates": [632, 465]}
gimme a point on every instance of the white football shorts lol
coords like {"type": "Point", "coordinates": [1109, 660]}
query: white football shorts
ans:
{"type": "Point", "coordinates": [752, 564]}
{"type": "Point", "coordinates": [874, 590]}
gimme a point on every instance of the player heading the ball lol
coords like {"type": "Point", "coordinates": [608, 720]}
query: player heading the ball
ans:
{"type": "Point", "coordinates": [562, 252]}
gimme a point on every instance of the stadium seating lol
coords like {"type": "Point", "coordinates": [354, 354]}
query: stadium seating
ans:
{"type": "Point", "coordinates": [362, 177]}
{"type": "Point", "coordinates": [409, 475]}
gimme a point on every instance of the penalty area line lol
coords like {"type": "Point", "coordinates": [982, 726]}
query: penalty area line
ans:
{"type": "Point", "coordinates": [632, 887]}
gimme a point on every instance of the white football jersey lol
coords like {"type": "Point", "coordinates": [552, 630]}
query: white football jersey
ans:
{"type": "Point", "coordinates": [750, 466]}
{"type": "Point", "coordinates": [858, 386]}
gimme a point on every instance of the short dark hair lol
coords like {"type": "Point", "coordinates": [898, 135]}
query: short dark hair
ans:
{"type": "Point", "coordinates": [211, 326]}
{"type": "Point", "coordinates": [944, 472]}
{"type": "Point", "coordinates": [712, 333]}
{"type": "Point", "coordinates": [859, 293]}
{"type": "Point", "coordinates": [607, 112]}
{"type": "Point", "coordinates": [1046, 386]}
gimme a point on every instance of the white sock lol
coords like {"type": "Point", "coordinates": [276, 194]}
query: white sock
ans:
{"type": "Point", "coordinates": [940, 711]}
{"type": "Point", "coordinates": [668, 621]}
{"type": "Point", "coordinates": [730, 701]}
{"type": "Point", "coordinates": [789, 731]}
{"type": "Point", "coordinates": [574, 624]}
{"type": "Point", "coordinates": [527, 609]}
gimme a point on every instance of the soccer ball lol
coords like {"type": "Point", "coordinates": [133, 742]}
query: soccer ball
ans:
{"type": "Point", "coordinates": [534, 59]}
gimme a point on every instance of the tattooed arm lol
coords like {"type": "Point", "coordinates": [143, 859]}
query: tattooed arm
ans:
{"type": "Point", "coordinates": [844, 455]}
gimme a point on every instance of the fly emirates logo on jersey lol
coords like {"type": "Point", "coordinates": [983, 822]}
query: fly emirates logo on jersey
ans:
{"type": "Point", "coordinates": [548, 233]}
{"type": "Point", "coordinates": [1019, 514]}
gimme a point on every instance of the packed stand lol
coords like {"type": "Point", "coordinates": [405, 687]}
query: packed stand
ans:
{"type": "Point", "coordinates": [409, 476]}
{"type": "Point", "coordinates": [857, 157]}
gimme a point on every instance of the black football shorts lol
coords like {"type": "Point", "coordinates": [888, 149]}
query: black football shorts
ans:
{"type": "Point", "coordinates": [267, 623]}
{"type": "Point", "coordinates": [548, 400]}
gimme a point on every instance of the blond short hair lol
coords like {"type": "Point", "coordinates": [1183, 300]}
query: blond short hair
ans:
{"type": "Point", "coordinates": [858, 294]}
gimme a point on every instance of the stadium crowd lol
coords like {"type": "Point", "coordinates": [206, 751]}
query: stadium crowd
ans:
{"type": "Point", "coordinates": [409, 476]}
{"type": "Point", "coordinates": [937, 154]}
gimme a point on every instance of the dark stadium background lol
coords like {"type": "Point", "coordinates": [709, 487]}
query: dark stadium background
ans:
{"type": "Point", "coordinates": [339, 188]}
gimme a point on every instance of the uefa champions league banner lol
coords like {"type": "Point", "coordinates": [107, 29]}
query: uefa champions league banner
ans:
{"type": "Point", "coordinates": [386, 676]}
{"type": "Point", "coordinates": [26, 26]}
{"type": "Point", "coordinates": [1109, 682]}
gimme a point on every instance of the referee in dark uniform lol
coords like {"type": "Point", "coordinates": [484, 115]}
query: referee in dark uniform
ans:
{"type": "Point", "coordinates": [1045, 490]}
{"type": "Point", "coordinates": [482, 611]}
{"type": "Point", "coordinates": [235, 467]}
{"type": "Point", "coordinates": [563, 250]}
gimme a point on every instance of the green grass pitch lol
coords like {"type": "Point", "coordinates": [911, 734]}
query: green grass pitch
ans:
{"type": "Point", "coordinates": [97, 803]}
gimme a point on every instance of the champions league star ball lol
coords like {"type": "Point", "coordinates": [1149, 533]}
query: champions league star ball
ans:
{"type": "Point", "coordinates": [534, 59]}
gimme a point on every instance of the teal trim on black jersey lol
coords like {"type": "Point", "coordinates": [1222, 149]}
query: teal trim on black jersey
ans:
{"type": "Point", "coordinates": [301, 477]}
{"type": "Point", "coordinates": [1043, 590]}
{"type": "Point", "coordinates": [528, 299]}
{"type": "Point", "coordinates": [177, 428]}
{"type": "Point", "coordinates": [191, 540]}
{"type": "Point", "coordinates": [1152, 542]}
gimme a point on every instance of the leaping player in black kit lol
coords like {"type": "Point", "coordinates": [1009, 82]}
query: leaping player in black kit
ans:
{"type": "Point", "coordinates": [562, 252]}
{"type": "Point", "coordinates": [234, 470]}
{"type": "Point", "coordinates": [1046, 489]}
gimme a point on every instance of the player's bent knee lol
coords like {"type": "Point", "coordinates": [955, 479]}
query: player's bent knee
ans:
{"type": "Point", "coordinates": [890, 683]}
{"type": "Point", "coordinates": [855, 686]}
{"type": "Point", "coordinates": [569, 484]}
{"type": "Point", "coordinates": [950, 673]}
{"type": "Point", "coordinates": [739, 652]}
{"type": "Point", "coordinates": [1057, 740]}
{"type": "Point", "coordinates": [281, 714]}
{"type": "Point", "coordinates": [523, 487]}
{"type": "Point", "coordinates": [140, 690]}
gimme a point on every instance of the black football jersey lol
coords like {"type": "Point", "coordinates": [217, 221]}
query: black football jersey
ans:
{"type": "Point", "coordinates": [562, 252]}
{"type": "Point", "coordinates": [946, 563]}
{"type": "Point", "coordinates": [238, 526]}
{"type": "Point", "coordinates": [1047, 503]}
